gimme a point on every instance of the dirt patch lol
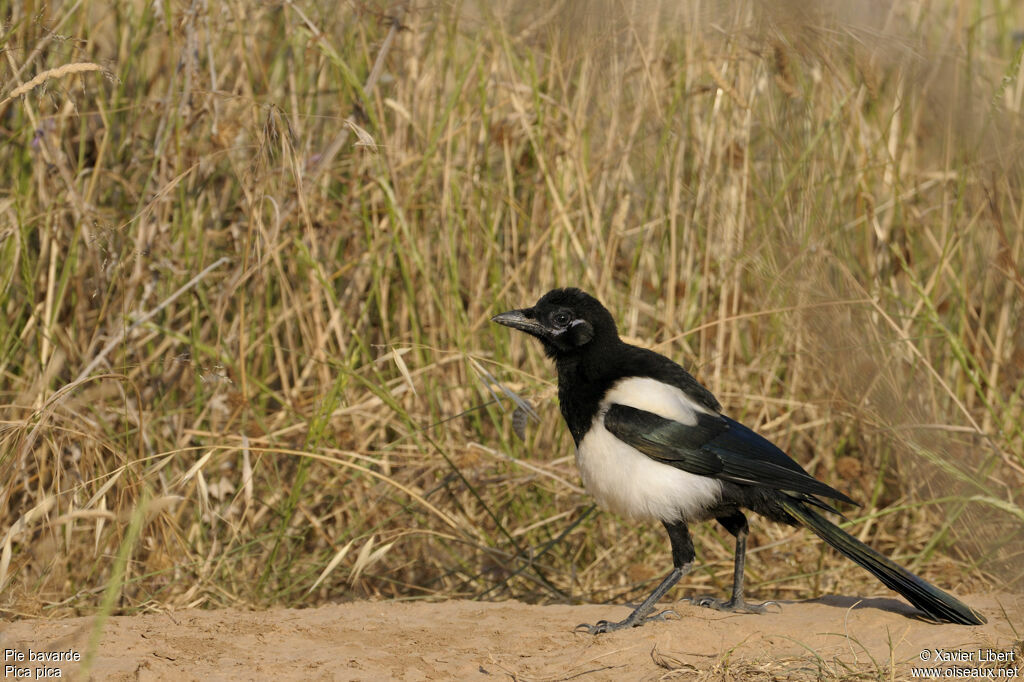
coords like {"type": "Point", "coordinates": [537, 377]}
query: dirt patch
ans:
{"type": "Point", "coordinates": [828, 637]}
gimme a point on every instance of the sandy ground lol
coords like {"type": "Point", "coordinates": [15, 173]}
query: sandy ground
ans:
{"type": "Point", "coordinates": [508, 640]}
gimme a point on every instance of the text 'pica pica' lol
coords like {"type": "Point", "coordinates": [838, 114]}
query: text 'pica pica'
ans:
{"type": "Point", "coordinates": [652, 444]}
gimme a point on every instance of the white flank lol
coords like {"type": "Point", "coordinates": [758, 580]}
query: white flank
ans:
{"type": "Point", "coordinates": [626, 481]}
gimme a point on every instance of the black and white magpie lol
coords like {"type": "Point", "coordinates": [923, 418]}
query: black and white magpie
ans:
{"type": "Point", "coordinates": [652, 444]}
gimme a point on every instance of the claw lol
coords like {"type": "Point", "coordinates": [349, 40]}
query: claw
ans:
{"type": "Point", "coordinates": [662, 616]}
{"type": "Point", "coordinates": [733, 605]}
{"type": "Point", "coordinates": [597, 628]}
{"type": "Point", "coordinates": [603, 626]}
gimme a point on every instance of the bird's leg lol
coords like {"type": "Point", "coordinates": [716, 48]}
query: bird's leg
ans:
{"type": "Point", "coordinates": [737, 525]}
{"type": "Point", "coordinates": [682, 562]}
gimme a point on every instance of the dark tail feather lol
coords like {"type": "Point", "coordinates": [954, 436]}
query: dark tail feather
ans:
{"type": "Point", "coordinates": [927, 597]}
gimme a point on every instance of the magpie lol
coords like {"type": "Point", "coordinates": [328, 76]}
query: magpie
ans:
{"type": "Point", "coordinates": [652, 444]}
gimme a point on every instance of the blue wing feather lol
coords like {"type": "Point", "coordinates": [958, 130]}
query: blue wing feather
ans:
{"type": "Point", "coordinates": [716, 446]}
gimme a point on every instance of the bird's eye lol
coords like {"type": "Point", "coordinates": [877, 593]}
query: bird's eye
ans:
{"type": "Point", "coordinates": [561, 318]}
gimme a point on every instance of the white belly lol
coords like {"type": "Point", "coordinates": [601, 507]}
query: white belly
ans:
{"type": "Point", "coordinates": [624, 480]}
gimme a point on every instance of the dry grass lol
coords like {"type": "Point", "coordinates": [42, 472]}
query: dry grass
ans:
{"type": "Point", "coordinates": [246, 283]}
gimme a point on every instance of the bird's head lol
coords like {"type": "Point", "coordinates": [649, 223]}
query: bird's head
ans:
{"type": "Point", "coordinates": [567, 321]}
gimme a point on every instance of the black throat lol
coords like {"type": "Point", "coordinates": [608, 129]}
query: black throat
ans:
{"type": "Point", "coordinates": [581, 385]}
{"type": "Point", "coordinates": [585, 377]}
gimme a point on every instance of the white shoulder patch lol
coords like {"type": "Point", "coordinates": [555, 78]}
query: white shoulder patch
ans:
{"type": "Point", "coordinates": [656, 397]}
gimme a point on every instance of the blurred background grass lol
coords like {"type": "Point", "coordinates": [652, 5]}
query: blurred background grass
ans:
{"type": "Point", "coordinates": [249, 250]}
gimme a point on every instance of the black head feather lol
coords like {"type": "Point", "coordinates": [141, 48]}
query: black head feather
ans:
{"type": "Point", "coordinates": [580, 335]}
{"type": "Point", "coordinates": [566, 321]}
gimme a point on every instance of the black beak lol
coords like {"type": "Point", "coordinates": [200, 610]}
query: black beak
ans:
{"type": "Point", "coordinates": [521, 320]}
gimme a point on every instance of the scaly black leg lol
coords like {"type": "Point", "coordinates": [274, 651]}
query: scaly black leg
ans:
{"type": "Point", "coordinates": [682, 562]}
{"type": "Point", "coordinates": [736, 524]}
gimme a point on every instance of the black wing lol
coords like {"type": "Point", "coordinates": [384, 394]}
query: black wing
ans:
{"type": "Point", "coordinates": [717, 447]}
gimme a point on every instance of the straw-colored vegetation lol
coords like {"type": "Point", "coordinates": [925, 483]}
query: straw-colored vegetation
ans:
{"type": "Point", "coordinates": [249, 251]}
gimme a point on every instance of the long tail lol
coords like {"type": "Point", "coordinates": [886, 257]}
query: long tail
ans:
{"type": "Point", "coordinates": [923, 595]}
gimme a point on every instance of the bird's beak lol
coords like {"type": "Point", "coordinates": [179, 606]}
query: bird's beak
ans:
{"type": "Point", "coordinates": [521, 320]}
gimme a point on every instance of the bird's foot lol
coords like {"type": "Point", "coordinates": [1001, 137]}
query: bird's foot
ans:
{"type": "Point", "coordinates": [733, 605]}
{"type": "Point", "coordinates": [603, 626]}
